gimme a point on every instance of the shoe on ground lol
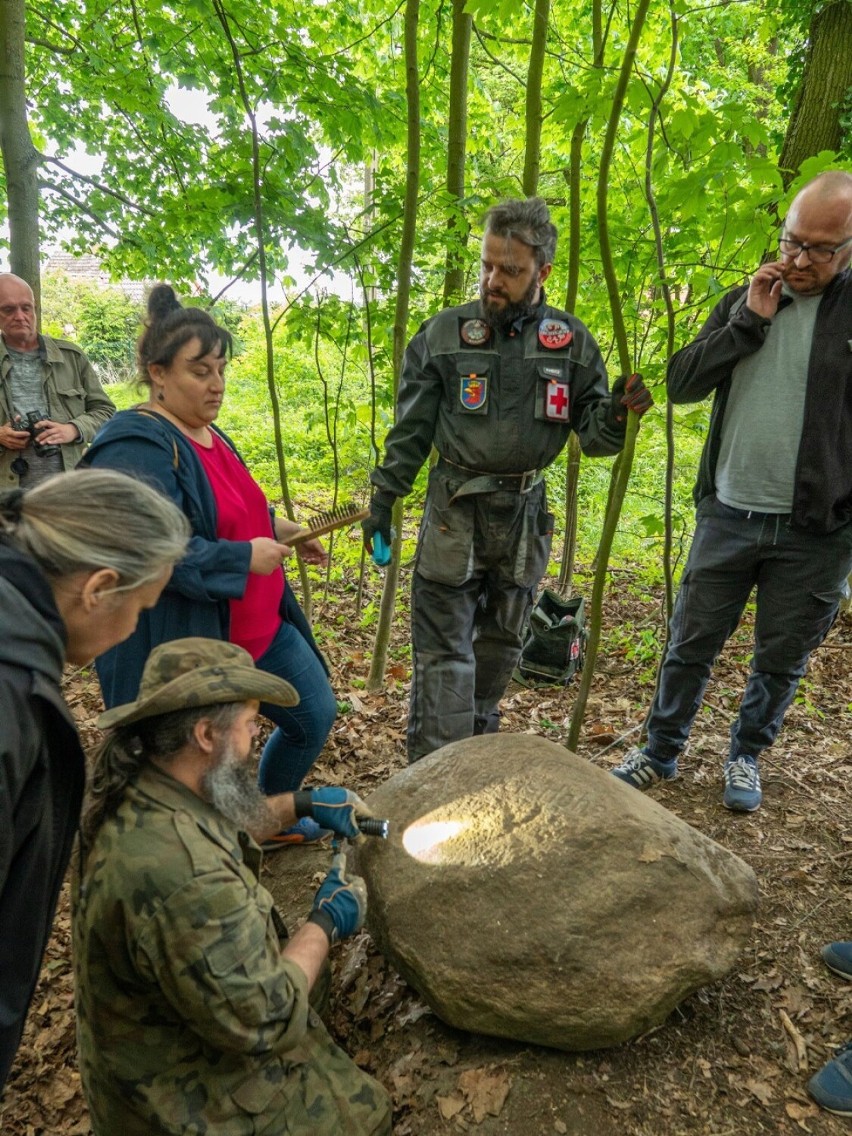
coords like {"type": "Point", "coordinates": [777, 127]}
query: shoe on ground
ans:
{"type": "Point", "coordinates": [641, 770]}
{"type": "Point", "coordinates": [831, 1087]}
{"type": "Point", "coordinates": [838, 957]}
{"type": "Point", "coordinates": [742, 785]}
{"type": "Point", "coordinates": [304, 831]}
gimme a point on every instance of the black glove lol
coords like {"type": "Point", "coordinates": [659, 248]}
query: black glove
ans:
{"type": "Point", "coordinates": [628, 391]}
{"type": "Point", "coordinates": [340, 905]}
{"type": "Point", "coordinates": [379, 520]}
{"type": "Point", "coordinates": [332, 807]}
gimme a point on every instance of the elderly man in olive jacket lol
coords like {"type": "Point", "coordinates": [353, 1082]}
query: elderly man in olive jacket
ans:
{"type": "Point", "coordinates": [51, 402]}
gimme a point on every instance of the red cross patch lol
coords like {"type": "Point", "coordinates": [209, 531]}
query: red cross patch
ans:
{"type": "Point", "coordinates": [556, 404]}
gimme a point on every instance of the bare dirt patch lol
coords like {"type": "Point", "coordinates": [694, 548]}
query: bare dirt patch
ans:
{"type": "Point", "coordinates": [733, 1059]}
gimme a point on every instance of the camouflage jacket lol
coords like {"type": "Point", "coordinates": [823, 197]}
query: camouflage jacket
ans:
{"type": "Point", "coordinates": [190, 1021]}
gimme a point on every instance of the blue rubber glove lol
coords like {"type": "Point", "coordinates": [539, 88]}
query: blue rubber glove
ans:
{"type": "Point", "coordinates": [377, 527]}
{"type": "Point", "coordinates": [333, 808]}
{"type": "Point", "coordinates": [340, 905]}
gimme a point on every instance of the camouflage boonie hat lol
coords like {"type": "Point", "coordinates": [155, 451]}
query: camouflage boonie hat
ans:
{"type": "Point", "coordinates": [187, 673]}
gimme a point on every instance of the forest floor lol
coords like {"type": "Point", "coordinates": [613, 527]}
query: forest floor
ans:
{"type": "Point", "coordinates": [733, 1059]}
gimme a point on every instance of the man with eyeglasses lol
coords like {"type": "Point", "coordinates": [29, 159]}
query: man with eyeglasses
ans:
{"type": "Point", "coordinates": [774, 489]}
{"type": "Point", "coordinates": [51, 403]}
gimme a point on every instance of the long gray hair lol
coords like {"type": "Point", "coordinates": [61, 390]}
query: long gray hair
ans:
{"type": "Point", "coordinates": [89, 519]}
{"type": "Point", "coordinates": [128, 749]}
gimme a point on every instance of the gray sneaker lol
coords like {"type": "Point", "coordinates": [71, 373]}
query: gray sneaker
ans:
{"type": "Point", "coordinates": [838, 957]}
{"type": "Point", "coordinates": [642, 771]}
{"type": "Point", "coordinates": [742, 784]}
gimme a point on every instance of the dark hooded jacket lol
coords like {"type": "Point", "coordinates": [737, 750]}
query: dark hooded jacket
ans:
{"type": "Point", "coordinates": [42, 777]}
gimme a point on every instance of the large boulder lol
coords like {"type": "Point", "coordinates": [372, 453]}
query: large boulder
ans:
{"type": "Point", "coordinates": [527, 894]}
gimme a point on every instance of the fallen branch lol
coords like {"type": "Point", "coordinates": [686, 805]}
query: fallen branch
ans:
{"type": "Point", "coordinates": [796, 1038]}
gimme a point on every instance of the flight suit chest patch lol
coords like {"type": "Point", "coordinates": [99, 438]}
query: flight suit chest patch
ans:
{"type": "Point", "coordinates": [473, 392]}
{"type": "Point", "coordinates": [553, 402]}
{"type": "Point", "coordinates": [556, 401]}
{"type": "Point", "coordinates": [474, 332]}
{"type": "Point", "coordinates": [554, 334]}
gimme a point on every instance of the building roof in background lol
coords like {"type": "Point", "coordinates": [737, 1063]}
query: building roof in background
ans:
{"type": "Point", "coordinates": [91, 268]}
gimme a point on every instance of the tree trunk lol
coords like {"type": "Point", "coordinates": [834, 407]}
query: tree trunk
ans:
{"type": "Point", "coordinates": [260, 239]}
{"type": "Point", "coordinates": [532, 155]}
{"type": "Point", "coordinates": [665, 290]}
{"type": "Point", "coordinates": [569, 548]}
{"type": "Point", "coordinates": [20, 157]}
{"type": "Point", "coordinates": [457, 227]}
{"type": "Point", "coordinates": [575, 454]}
{"type": "Point", "coordinates": [826, 80]}
{"type": "Point", "coordinates": [573, 176]}
{"type": "Point", "coordinates": [624, 464]}
{"type": "Point", "coordinates": [400, 324]}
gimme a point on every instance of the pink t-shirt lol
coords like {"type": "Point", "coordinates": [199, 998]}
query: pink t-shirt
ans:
{"type": "Point", "coordinates": [242, 515]}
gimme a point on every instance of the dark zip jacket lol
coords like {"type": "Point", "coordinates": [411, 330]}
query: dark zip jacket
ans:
{"type": "Point", "coordinates": [822, 497]}
{"type": "Point", "coordinates": [42, 777]}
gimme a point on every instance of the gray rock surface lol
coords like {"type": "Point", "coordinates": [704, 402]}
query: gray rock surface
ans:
{"type": "Point", "coordinates": [526, 893]}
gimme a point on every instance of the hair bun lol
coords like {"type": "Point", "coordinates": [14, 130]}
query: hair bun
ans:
{"type": "Point", "coordinates": [162, 302]}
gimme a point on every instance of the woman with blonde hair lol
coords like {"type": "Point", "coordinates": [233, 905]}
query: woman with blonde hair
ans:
{"type": "Point", "coordinates": [81, 555]}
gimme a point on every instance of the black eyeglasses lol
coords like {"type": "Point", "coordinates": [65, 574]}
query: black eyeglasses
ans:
{"type": "Point", "coordinates": [817, 254]}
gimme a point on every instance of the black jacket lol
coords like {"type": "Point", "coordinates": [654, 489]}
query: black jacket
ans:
{"type": "Point", "coordinates": [822, 498]}
{"type": "Point", "coordinates": [42, 777]}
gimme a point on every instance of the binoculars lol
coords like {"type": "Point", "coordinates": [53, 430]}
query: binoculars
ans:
{"type": "Point", "coordinates": [28, 422]}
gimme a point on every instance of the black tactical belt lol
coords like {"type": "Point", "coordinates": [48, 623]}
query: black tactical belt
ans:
{"type": "Point", "coordinates": [478, 481]}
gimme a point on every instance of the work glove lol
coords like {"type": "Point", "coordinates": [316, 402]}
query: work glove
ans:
{"type": "Point", "coordinates": [379, 520]}
{"type": "Point", "coordinates": [630, 392]}
{"type": "Point", "coordinates": [332, 808]}
{"type": "Point", "coordinates": [340, 905]}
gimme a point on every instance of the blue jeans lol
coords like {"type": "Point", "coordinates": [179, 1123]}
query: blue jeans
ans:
{"type": "Point", "coordinates": [301, 730]}
{"type": "Point", "coordinates": [800, 579]}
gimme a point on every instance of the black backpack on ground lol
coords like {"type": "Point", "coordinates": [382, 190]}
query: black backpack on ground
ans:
{"type": "Point", "coordinates": [555, 640]}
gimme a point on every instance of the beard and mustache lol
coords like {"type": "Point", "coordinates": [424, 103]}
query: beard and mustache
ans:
{"type": "Point", "coordinates": [502, 316]}
{"type": "Point", "coordinates": [805, 280]}
{"type": "Point", "coordinates": [231, 789]}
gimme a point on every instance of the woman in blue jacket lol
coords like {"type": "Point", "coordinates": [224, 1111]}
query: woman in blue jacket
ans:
{"type": "Point", "coordinates": [231, 584]}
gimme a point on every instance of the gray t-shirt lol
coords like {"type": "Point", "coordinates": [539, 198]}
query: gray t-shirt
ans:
{"type": "Point", "coordinates": [763, 420]}
{"type": "Point", "coordinates": [27, 388]}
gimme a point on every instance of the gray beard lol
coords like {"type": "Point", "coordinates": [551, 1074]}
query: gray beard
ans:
{"type": "Point", "coordinates": [502, 318]}
{"type": "Point", "coordinates": [231, 789]}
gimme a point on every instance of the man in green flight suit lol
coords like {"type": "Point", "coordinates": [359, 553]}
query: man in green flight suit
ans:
{"type": "Point", "coordinates": [497, 386]}
{"type": "Point", "coordinates": [192, 1002]}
